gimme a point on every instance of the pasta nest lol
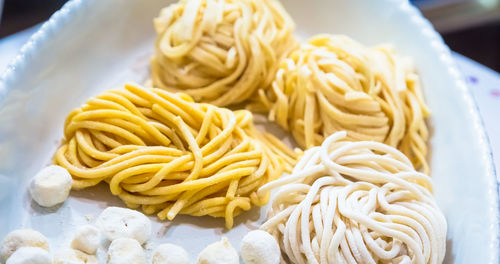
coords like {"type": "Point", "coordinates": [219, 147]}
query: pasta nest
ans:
{"type": "Point", "coordinates": [162, 151]}
{"type": "Point", "coordinates": [356, 202]}
{"type": "Point", "coordinates": [333, 83]}
{"type": "Point", "coordinates": [220, 51]}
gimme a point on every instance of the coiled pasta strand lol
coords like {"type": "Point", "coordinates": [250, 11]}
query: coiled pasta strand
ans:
{"type": "Point", "coordinates": [171, 156]}
{"type": "Point", "coordinates": [220, 51]}
{"type": "Point", "coordinates": [356, 202]}
{"type": "Point", "coordinates": [333, 83]}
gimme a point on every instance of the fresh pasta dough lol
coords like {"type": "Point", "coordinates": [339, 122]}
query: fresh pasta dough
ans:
{"type": "Point", "coordinates": [162, 151]}
{"type": "Point", "coordinates": [220, 51]}
{"type": "Point", "coordinates": [356, 202]}
{"type": "Point", "coordinates": [333, 83]}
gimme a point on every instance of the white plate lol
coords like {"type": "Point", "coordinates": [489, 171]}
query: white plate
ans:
{"type": "Point", "coordinates": [90, 46]}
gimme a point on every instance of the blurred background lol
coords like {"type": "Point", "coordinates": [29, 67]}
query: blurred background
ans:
{"type": "Point", "coordinates": [469, 27]}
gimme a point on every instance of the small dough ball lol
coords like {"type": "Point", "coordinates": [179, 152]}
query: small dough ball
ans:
{"type": "Point", "coordinates": [22, 238]}
{"type": "Point", "coordinates": [126, 250]}
{"type": "Point", "coordinates": [259, 247]}
{"type": "Point", "coordinates": [51, 186]}
{"type": "Point", "coordinates": [117, 222]}
{"type": "Point", "coordinates": [30, 255]}
{"type": "Point", "coordinates": [170, 254]}
{"type": "Point", "coordinates": [72, 256]}
{"type": "Point", "coordinates": [87, 239]}
{"type": "Point", "coordinates": [219, 253]}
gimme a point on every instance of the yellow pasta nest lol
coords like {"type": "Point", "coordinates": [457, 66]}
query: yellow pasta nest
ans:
{"type": "Point", "coordinates": [171, 156]}
{"type": "Point", "coordinates": [333, 83]}
{"type": "Point", "coordinates": [356, 202]}
{"type": "Point", "coordinates": [220, 51]}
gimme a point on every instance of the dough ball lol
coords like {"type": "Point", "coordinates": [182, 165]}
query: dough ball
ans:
{"type": "Point", "coordinates": [219, 253]}
{"type": "Point", "coordinates": [30, 255]}
{"type": "Point", "coordinates": [170, 254]}
{"type": "Point", "coordinates": [22, 238]}
{"type": "Point", "coordinates": [259, 247]}
{"type": "Point", "coordinates": [87, 239]}
{"type": "Point", "coordinates": [126, 250]}
{"type": "Point", "coordinates": [51, 186]}
{"type": "Point", "coordinates": [117, 222]}
{"type": "Point", "coordinates": [72, 256]}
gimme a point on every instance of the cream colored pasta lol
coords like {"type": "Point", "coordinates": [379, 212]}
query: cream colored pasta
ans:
{"type": "Point", "coordinates": [356, 202]}
{"type": "Point", "coordinates": [333, 83]}
{"type": "Point", "coordinates": [171, 156]}
{"type": "Point", "coordinates": [220, 51]}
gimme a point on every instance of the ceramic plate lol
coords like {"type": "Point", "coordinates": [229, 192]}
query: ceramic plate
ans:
{"type": "Point", "coordinates": [90, 46]}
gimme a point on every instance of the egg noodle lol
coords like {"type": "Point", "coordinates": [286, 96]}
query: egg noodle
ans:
{"type": "Point", "coordinates": [356, 202]}
{"type": "Point", "coordinates": [220, 51]}
{"type": "Point", "coordinates": [171, 156]}
{"type": "Point", "coordinates": [332, 83]}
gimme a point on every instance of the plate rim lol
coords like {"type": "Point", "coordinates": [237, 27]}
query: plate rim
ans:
{"type": "Point", "coordinates": [428, 31]}
{"type": "Point", "coordinates": [40, 38]}
{"type": "Point", "coordinates": [61, 17]}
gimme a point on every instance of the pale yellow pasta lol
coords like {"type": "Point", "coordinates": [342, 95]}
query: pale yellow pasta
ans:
{"type": "Point", "coordinates": [162, 151]}
{"type": "Point", "coordinates": [333, 83]}
{"type": "Point", "coordinates": [220, 51]}
{"type": "Point", "coordinates": [356, 202]}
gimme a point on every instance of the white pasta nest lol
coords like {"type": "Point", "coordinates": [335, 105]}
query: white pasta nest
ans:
{"type": "Point", "coordinates": [356, 202]}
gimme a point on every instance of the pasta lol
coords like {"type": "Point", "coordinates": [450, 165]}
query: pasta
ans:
{"type": "Point", "coordinates": [220, 51]}
{"type": "Point", "coordinates": [171, 156]}
{"type": "Point", "coordinates": [333, 83]}
{"type": "Point", "coordinates": [356, 202]}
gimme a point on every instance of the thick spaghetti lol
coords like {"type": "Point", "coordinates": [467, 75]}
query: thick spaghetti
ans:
{"type": "Point", "coordinates": [220, 51]}
{"type": "Point", "coordinates": [171, 156]}
{"type": "Point", "coordinates": [356, 202]}
{"type": "Point", "coordinates": [333, 83]}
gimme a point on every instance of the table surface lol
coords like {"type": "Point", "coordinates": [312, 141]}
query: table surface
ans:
{"type": "Point", "coordinates": [483, 82]}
